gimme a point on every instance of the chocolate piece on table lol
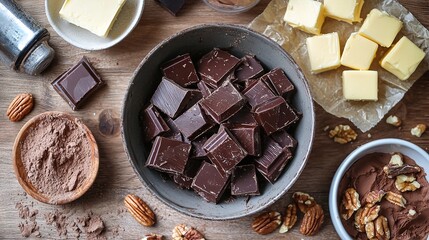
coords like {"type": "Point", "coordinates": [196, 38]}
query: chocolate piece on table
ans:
{"type": "Point", "coordinates": [181, 70]}
{"type": "Point", "coordinates": [77, 83]}
{"type": "Point", "coordinates": [244, 181]}
{"type": "Point", "coordinates": [193, 123]}
{"type": "Point", "coordinates": [209, 183]}
{"type": "Point", "coordinates": [223, 103]}
{"type": "Point", "coordinates": [249, 68]}
{"type": "Point", "coordinates": [168, 155]}
{"type": "Point", "coordinates": [172, 6]}
{"type": "Point", "coordinates": [224, 151]}
{"type": "Point", "coordinates": [284, 139]}
{"type": "Point", "coordinates": [172, 99]}
{"type": "Point", "coordinates": [275, 114]}
{"type": "Point", "coordinates": [204, 89]}
{"type": "Point", "coordinates": [257, 93]}
{"type": "Point", "coordinates": [244, 117]}
{"type": "Point", "coordinates": [279, 82]}
{"type": "Point", "coordinates": [248, 136]}
{"type": "Point", "coordinates": [216, 66]}
{"type": "Point", "coordinates": [153, 124]}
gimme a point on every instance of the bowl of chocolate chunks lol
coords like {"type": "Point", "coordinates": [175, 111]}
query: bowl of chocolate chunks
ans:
{"type": "Point", "coordinates": [218, 121]}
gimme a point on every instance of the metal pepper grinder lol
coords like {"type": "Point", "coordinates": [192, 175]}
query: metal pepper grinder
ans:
{"type": "Point", "coordinates": [23, 42]}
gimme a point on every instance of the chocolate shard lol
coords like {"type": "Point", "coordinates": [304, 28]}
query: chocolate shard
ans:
{"type": "Point", "coordinates": [244, 181]}
{"type": "Point", "coordinates": [181, 70]}
{"type": "Point", "coordinates": [216, 66]}
{"type": "Point", "coordinates": [283, 138]}
{"type": "Point", "coordinates": [193, 123]}
{"type": "Point", "coordinates": [279, 82]}
{"type": "Point", "coordinates": [209, 183]}
{"type": "Point", "coordinates": [224, 151]}
{"type": "Point", "coordinates": [168, 155]}
{"type": "Point", "coordinates": [275, 114]}
{"type": "Point", "coordinates": [172, 6]}
{"type": "Point", "coordinates": [249, 68]}
{"type": "Point", "coordinates": [78, 83]}
{"type": "Point", "coordinates": [257, 93]}
{"type": "Point", "coordinates": [248, 136]}
{"type": "Point", "coordinates": [153, 123]}
{"type": "Point", "coordinates": [172, 99]}
{"type": "Point", "coordinates": [223, 103]}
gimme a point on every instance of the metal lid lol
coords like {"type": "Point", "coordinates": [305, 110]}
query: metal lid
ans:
{"type": "Point", "coordinates": [39, 59]}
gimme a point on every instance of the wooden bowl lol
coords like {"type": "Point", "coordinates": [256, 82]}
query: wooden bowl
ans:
{"type": "Point", "coordinates": [21, 173]}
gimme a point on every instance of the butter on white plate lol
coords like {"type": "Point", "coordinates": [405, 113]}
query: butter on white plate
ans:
{"type": "Point", "coordinates": [306, 15]}
{"type": "Point", "coordinates": [380, 27]}
{"type": "Point", "coordinates": [324, 52]}
{"type": "Point", "coordinates": [344, 10]}
{"type": "Point", "coordinates": [403, 58]}
{"type": "Point", "coordinates": [358, 52]}
{"type": "Point", "coordinates": [97, 16]}
{"type": "Point", "coordinates": [360, 85]}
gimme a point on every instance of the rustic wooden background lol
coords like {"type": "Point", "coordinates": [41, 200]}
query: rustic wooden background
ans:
{"type": "Point", "coordinates": [116, 177]}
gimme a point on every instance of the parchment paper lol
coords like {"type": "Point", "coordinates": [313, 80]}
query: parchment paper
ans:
{"type": "Point", "coordinates": [326, 87]}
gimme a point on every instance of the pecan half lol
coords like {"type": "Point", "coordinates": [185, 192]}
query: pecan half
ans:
{"type": "Point", "coordinates": [179, 232]}
{"type": "Point", "coordinates": [193, 234]}
{"type": "Point", "coordinates": [343, 134]}
{"type": "Point", "coordinates": [405, 183]}
{"type": "Point", "coordinates": [289, 219]}
{"type": "Point", "coordinates": [382, 230]}
{"type": "Point", "coordinates": [359, 225]}
{"type": "Point", "coordinates": [20, 106]}
{"type": "Point", "coordinates": [370, 230]}
{"type": "Point", "coordinates": [373, 197]}
{"type": "Point", "coordinates": [304, 201]}
{"type": "Point", "coordinates": [365, 215]}
{"type": "Point", "coordinates": [396, 199]}
{"type": "Point", "coordinates": [350, 202]}
{"type": "Point", "coordinates": [139, 210]}
{"type": "Point", "coordinates": [312, 221]}
{"type": "Point", "coordinates": [393, 171]}
{"type": "Point", "coordinates": [267, 222]}
{"type": "Point", "coordinates": [153, 236]}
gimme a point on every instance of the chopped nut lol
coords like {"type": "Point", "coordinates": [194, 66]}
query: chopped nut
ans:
{"type": "Point", "coordinates": [139, 210]}
{"type": "Point", "coordinates": [396, 199]}
{"type": "Point", "coordinates": [343, 134]}
{"type": "Point", "coordinates": [304, 201]}
{"type": "Point", "coordinates": [393, 171]}
{"type": "Point", "coordinates": [369, 135]}
{"type": "Point", "coordinates": [179, 232]}
{"type": "Point", "coordinates": [289, 219]}
{"type": "Point", "coordinates": [350, 202]}
{"type": "Point", "coordinates": [267, 222]}
{"type": "Point", "coordinates": [370, 230]}
{"type": "Point", "coordinates": [411, 213]}
{"type": "Point", "coordinates": [418, 130]}
{"type": "Point", "coordinates": [396, 160]}
{"type": "Point", "coordinates": [382, 230]}
{"type": "Point", "coordinates": [394, 120]}
{"type": "Point", "coordinates": [373, 197]}
{"type": "Point", "coordinates": [153, 236]}
{"type": "Point", "coordinates": [312, 221]}
{"type": "Point", "coordinates": [406, 183]}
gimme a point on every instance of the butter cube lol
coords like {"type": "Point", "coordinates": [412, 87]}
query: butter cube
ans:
{"type": "Point", "coordinates": [358, 52]}
{"type": "Point", "coordinates": [324, 52]}
{"type": "Point", "coordinates": [360, 85]}
{"type": "Point", "coordinates": [380, 27]}
{"type": "Point", "coordinates": [96, 16]}
{"type": "Point", "coordinates": [403, 58]}
{"type": "Point", "coordinates": [306, 15]}
{"type": "Point", "coordinates": [344, 10]}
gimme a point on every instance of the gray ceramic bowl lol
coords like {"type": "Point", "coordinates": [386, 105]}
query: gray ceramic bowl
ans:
{"type": "Point", "coordinates": [197, 41]}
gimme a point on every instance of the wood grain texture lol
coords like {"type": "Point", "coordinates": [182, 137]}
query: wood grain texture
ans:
{"type": "Point", "coordinates": [116, 178]}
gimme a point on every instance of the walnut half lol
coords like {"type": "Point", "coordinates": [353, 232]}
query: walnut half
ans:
{"type": "Point", "coordinates": [343, 134]}
{"type": "Point", "coordinates": [405, 183]}
{"type": "Point", "coordinates": [350, 202]}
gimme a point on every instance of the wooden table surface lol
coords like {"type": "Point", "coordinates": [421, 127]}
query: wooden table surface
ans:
{"type": "Point", "coordinates": [116, 177]}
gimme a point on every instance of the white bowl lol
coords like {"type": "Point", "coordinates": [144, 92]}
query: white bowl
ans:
{"type": "Point", "coordinates": [387, 145]}
{"type": "Point", "coordinates": [127, 20]}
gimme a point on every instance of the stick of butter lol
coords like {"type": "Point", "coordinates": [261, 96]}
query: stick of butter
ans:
{"type": "Point", "coordinates": [324, 52]}
{"type": "Point", "coordinates": [360, 85]}
{"type": "Point", "coordinates": [380, 27]}
{"type": "Point", "coordinates": [344, 10]}
{"type": "Point", "coordinates": [358, 52]}
{"type": "Point", "coordinates": [97, 16]}
{"type": "Point", "coordinates": [403, 58]}
{"type": "Point", "coordinates": [306, 15]}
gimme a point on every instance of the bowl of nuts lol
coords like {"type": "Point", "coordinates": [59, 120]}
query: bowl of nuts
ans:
{"type": "Point", "coordinates": [218, 121]}
{"type": "Point", "coordinates": [381, 190]}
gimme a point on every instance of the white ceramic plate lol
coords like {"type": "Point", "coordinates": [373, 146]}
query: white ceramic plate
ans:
{"type": "Point", "coordinates": [82, 38]}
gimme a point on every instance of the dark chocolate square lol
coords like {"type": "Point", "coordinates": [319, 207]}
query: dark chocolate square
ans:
{"type": "Point", "coordinates": [283, 138]}
{"type": "Point", "coordinates": [248, 68]}
{"type": "Point", "coordinates": [248, 136]}
{"type": "Point", "coordinates": [244, 181]}
{"type": "Point", "coordinates": [279, 82]}
{"type": "Point", "coordinates": [193, 123]}
{"type": "Point", "coordinates": [209, 183]}
{"type": "Point", "coordinates": [204, 89]}
{"type": "Point", "coordinates": [270, 152]}
{"type": "Point", "coordinates": [153, 123]}
{"type": "Point", "coordinates": [172, 6]}
{"type": "Point", "coordinates": [244, 117]}
{"type": "Point", "coordinates": [276, 168]}
{"type": "Point", "coordinates": [77, 83]}
{"type": "Point", "coordinates": [257, 93]}
{"type": "Point", "coordinates": [181, 70]}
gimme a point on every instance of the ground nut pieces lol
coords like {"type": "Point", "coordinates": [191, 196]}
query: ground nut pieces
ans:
{"type": "Point", "coordinates": [350, 203]}
{"type": "Point", "coordinates": [312, 221]}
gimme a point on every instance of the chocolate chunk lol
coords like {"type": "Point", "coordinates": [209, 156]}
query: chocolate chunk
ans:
{"type": "Point", "coordinates": [224, 151]}
{"type": "Point", "coordinates": [153, 124]}
{"type": "Point", "coordinates": [279, 82]}
{"type": "Point", "coordinates": [174, 132]}
{"type": "Point", "coordinates": [204, 89]}
{"type": "Point", "coordinates": [172, 6]}
{"type": "Point", "coordinates": [77, 83]}
{"type": "Point", "coordinates": [244, 181]}
{"type": "Point", "coordinates": [270, 153]}
{"type": "Point", "coordinates": [193, 122]}
{"type": "Point", "coordinates": [216, 66]}
{"type": "Point", "coordinates": [209, 183]}
{"type": "Point", "coordinates": [184, 180]}
{"type": "Point", "coordinates": [248, 136]}
{"type": "Point", "coordinates": [168, 155]}
{"type": "Point", "coordinates": [244, 116]}
{"type": "Point", "coordinates": [172, 99]}
{"type": "Point", "coordinates": [197, 147]}
{"type": "Point", "coordinates": [257, 93]}
{"type": "Point", "coordinates": [274, 115]}
{"type": "Point", "coordinates": [249, 68]}
{"type": "Point", "coordinates": [273, 160]}
{"type": "Point", "coordinates": [223, 103]}
{"type": "Point", "coordinates": [181, 70]}
{"type": "Point", "coordinates": [283, 138]}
